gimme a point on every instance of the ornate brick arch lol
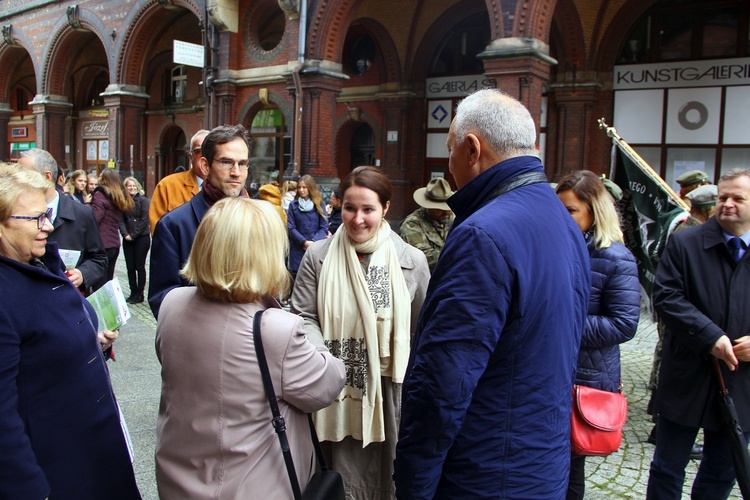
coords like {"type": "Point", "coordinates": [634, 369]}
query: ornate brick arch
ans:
{"type": "Point", "coordinates": [134, 42]}
{"type": "Point", "coordinates": [388, 50]}
{"type": "Point", "coordinates": [618, 29]}
{"type": "Point", "coordinates": [51, 80]}
{"type": "Point", "coordinates": [568, 24]}
{"type": "Point", "coordinates": [426, 48]}
{"type": "Point", "coordinates": [533, 19]}
{"type": "Point", "coordinates": [252, 105]}
{"type": "Point", "coordinates": [9, 61]}
{"type": "Point", "coordinates": [328, 25]}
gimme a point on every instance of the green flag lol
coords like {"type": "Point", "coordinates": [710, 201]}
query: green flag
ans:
{"type": "Point", "coordinates": [649, 214]}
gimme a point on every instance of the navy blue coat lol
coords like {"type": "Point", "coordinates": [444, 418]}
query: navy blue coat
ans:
{"type": "Point", "coordinates": [614, 309]}
{"type": "Point", "coordinates": [170, 248]}
{"type": "Point", "coordinates": [487, 396]}
{"type": "Point", "coordinates": [701, 294]}
{"type": "Point", "coordinates": [60, 433]}
{"type": "Point", "coordinates": [75, 228]}
{"type": "Point", "coordinates": [303, 226]}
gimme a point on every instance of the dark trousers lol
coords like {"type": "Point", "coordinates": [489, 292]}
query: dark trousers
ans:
{"type": "Point", "coordinates": [135, 259]}
{"type": "Point", "coordinates": [577, 478]}
{"type": "Point", "coordinates": [674, 442]}
{"type": "Point", "coordinates": [112, 254]}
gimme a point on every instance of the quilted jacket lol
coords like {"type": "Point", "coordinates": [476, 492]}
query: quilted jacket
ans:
{"type": "Point", "coordinates": [614, 309]}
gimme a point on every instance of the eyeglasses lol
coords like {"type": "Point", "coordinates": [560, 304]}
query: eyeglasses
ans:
{"type": "Point", "coordinates": [228, 164]}
{"type": "Point", "coordinates": [38, 218]}
{"type": "Point", "coordinates": [196, 151]}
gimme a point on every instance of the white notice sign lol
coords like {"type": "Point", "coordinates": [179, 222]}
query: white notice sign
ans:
{"type": "Point", "coordinates": [189, 54]}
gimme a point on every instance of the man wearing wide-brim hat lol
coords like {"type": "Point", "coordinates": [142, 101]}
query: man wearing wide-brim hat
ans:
{"type": "Point", "coordinates": [427, 227]}
{"type": "Point", "coordinates": [691, 180]}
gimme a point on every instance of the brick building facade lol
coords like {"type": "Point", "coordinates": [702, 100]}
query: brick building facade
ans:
{"type": "Point", "coordinates": [372, 81]}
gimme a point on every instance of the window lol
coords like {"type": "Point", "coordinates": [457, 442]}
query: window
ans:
{"type": "Point", "coordinates": [179, 84]}
{"type": "Point", "coordinates": [272, 144]}
{"type": "Point", "coordinates": [674, 30]}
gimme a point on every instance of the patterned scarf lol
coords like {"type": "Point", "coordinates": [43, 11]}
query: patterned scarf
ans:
{"type": "Point", "coordinates": [365, 319]}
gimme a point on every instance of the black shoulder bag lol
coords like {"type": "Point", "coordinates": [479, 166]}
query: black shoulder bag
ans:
{"type": "Point", "coordinates": [325, 484]}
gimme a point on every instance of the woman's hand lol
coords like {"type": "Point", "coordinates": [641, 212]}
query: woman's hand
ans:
{"type": "Point", "coordinates": [307, 244]}
{"type": "Point", "coordinates": [127, 238]}
{"type": "Point", "coordinates": [107, 338]}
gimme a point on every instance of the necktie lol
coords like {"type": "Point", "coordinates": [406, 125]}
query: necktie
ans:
{"type": "Point", "coordinates": [735, 245]}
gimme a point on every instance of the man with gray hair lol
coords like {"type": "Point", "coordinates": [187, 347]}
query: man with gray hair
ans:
{"type": "Point", "coordinates": [487, 395]}
{"type": "Point", "coordinates": [75, 226]}
{"type": "Point", "coordinates": [178, 188]}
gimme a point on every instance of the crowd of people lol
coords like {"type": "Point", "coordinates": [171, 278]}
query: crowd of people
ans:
{"type": "Point", "coordinates": [437, 361]}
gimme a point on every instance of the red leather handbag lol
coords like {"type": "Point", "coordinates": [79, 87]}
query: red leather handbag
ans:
{"type": "Point", "coordinates": [596, 421]}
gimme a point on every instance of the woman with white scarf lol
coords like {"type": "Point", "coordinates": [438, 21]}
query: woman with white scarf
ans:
{"type": "Point", "coordinates": [360, 293]}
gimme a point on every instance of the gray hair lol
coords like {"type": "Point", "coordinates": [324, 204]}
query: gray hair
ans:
{"type": "Point", "coordinates": [43, 161]}
{"type": "Point", "coordinates": [499, 119]}
{"type": "Point", "coordinates": [734, 173]}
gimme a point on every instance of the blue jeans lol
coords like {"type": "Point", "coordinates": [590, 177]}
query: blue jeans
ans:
{"type": "Point", "coordinates": [715, 477]}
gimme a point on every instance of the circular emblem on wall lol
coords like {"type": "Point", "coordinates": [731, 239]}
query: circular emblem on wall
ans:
{"type": "Point", "coordinates": [693, 115]}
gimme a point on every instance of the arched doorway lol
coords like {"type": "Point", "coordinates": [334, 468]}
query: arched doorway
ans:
{"type": "Point", "coordinates": [172, 152]}
{"type": "Point", "coordinates": [272, 145]}
{"type": "Point", "coordinates": [362, 148]}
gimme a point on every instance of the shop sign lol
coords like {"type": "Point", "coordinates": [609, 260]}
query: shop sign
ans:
{"type": "Point", "coordinates": [19, 132]}
{"type": "Point", "coordinates": [457, 86]}
{"type": "Point", "coordinates": [98, 113]}
{"type": "Point", "coordinates": [95, 128]}
{"type": "Point", "coordinates": [713, 73]}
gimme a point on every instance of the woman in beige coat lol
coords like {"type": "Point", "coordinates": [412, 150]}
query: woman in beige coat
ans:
{"type": "Point", "coordinates": [360, 292]}
{"type": "Point", "coordinates": [214, 432]}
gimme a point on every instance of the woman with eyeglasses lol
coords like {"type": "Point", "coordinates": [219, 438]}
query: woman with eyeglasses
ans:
{"type": "Point", "coordinates": [109, 201]}
{"type": "Point", "coordinates": [60, 430]}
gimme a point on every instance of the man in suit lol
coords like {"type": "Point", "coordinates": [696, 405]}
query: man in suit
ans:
{"type": "Point", "coordinates": [75, 227]}
{"type": "Point", "coordinates": [701, 294]}
{"type": "Point", "coordinates": [178, 188]}
{"type": "Point", "coordinates": [225, 160]}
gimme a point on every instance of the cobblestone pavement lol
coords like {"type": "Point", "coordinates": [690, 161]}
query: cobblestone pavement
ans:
{"type": "Point", "coordinates": [136, 379]}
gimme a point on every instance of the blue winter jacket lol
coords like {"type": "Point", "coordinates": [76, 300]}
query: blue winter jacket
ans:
{"type": "Point", "coordinates": [303, 226]}
{"type": "Point", "coordinates": [614, 310]}
{"type": "Point", "coordinates": [487, 396]}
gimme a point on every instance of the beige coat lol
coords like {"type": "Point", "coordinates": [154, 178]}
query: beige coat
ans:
{"type": "Point", "coordinates": [305, 300]}
{"type": "Point", "coordinates": [214, 433]}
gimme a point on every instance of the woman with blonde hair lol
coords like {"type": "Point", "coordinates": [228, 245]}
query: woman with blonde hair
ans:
{"type": "Point", "coordinates": [306, 220]}
{"type": "Point", "coordinates": [361, 291]}
{"type": "Point", "coordinates": [136, 239]}
{"type": "Point", "coordinates": [109, 201]}
{"type": "Point", "coordinates": [214, 432]}
{"type": "Point", "coordinates": [615, 300]}
{"type": "Point", "coordinates": [76, 186]}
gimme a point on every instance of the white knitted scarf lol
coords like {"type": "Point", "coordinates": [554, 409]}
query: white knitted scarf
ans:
{"type": "Point", "coordinates": [365, 321]}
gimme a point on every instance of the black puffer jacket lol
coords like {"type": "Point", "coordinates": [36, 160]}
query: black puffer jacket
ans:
{"type": "Point", "coordinates": [135, 222]}
{"type": "Point", "coordinates": [614, 309]}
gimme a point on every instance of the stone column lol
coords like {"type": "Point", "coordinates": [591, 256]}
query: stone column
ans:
{"type": "Point", "coordinates": [576, 126]}
{"type": "Point", "coordinates": [126, 105]}
{"type": "Point", "coordinates": [50, 114]}
{"type": "Point", "coordinates": [521, 68]}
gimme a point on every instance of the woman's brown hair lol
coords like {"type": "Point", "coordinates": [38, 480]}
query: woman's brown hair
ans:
{"type": "Point", "coordinates": [111, 182]}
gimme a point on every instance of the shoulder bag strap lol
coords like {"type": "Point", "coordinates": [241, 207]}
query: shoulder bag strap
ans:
{"type": "Point", "coordinates": [316, 444]}
{"type": "Point", "coordinates": [278, 421]}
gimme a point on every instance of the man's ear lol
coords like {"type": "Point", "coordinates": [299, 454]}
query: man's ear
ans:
{"type": "Point", "coordinates": [474, 147]}
{"type": "Point", "coordinates": [48, 175]}
{"type": "Point", "coordinates": [203, 167]}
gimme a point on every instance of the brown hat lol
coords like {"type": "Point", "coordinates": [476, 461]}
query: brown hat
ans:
{"type": "Point", "coordinates": [692, 178]}
{"type": "Point", "coordinates": [434, 195]}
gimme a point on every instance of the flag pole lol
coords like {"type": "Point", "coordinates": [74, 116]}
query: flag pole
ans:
{"type": "Point", "coordinates": [612, 132]}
